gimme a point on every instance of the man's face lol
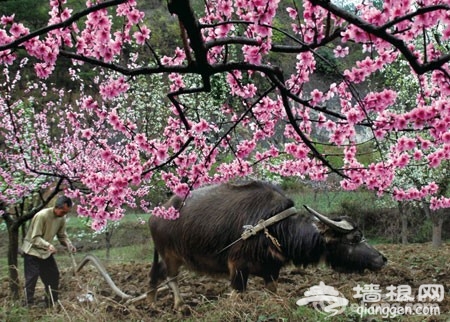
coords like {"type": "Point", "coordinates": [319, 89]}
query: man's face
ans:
{"type": "Point", "coordinates": [61, 212]}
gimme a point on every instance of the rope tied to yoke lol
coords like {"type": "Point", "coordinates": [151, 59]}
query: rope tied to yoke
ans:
{"type": "Point", "coordinates": [274, 241]}
{"type": "Point", "coordinates": [250, 230]}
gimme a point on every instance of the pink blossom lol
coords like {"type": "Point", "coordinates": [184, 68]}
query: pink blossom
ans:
{"type": "Point", "coordinates": [43, 70]}
{"type": "Point", "coordinates": [297, 150]}
{"type": "Point", "coordinates": [341, 52]}
{"type": "Point", "coordinates": [161, 153]}
{"type": "Point", "coordinates": [181, 190]}
{"type": "Point", "coordinates": [142, 35]}
{"type": "Point", "coordinates": [112, 142]}
{"type": "Point", "coordinates": [107, 155]}
{"type": "Point", "coordinates": [446, 137]}
{"type": "Point", "coordinates": [89, 103]}
{"type": "Point", "coordinates": [6, 20]}
{"type": "Point", "coordinates": [316, 96]}
{"type": "Point", "coordinates": [166, 213]}
{"type": "Point", "coordinates": [87, 134]}
{"type": "Point", "coordinates": [400, 122]}
{"type": "Point", "coordinates": [113, 88]}
{"type": "Point", "coordinates": [433, 160]}
{"type": "Point", "coordinates": [18, 30]}
{"type": "Point", "coordinates": [200, 127]}
{"type": "Point", "coordinates": [417, 155]}
{"type": "Point", "coordinates": [252, 54]}
{"type": "Point", "coordinates": [402, 160]}
{"type": "Point", "coordinates": [292, 12]}
{"type": "Point", "coordinates": [6, 57]}
{"type": "Point", "coordinates": [226, 8]}
{"type": "Point", "coordinates": [245, 148]}
{"type": "Point", "coordinates": [420, 113]}
{"type": "Point", "coordinates": [405, 144]}
{"type": "Point", "coordinates": [135, 16]}
{"type": "Point", "coordinates": [430, 188]}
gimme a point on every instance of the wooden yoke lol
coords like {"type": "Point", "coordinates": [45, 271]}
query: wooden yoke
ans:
{"type": "Point", "coordinates": [253, 230]}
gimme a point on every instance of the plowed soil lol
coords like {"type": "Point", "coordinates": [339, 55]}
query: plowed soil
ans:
{"type": "Point", "coordinates": [87, 295]}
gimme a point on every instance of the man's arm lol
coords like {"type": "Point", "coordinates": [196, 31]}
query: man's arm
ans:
{"type": "Point", "coordinates": [64, 238]}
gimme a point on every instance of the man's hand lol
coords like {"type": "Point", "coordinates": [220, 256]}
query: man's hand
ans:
{"type": "Point", "coordinates": [52, 249]}
{"type": "Point", "coordinates": [71, 248]}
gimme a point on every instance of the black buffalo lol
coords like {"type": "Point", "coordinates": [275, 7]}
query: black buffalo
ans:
{"type": "Point", "coordinates": [214, 217]}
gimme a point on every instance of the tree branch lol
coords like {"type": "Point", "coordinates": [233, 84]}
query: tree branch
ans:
{"type": "Point", "coordinates": [64, 24]}
{"type": "Point", "coordinates": [382, 33]}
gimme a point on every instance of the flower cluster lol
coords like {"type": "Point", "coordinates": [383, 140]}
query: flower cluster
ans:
{"type": "Point", "coordinates": [119, 136]}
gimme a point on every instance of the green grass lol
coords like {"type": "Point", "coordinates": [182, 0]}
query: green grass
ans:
{"type": "Point", "coordinates": [82, 223]}
{"type": "Point", "coordinates": [134, 253]}
{"type": "Point", "coordinates": [334, 201]}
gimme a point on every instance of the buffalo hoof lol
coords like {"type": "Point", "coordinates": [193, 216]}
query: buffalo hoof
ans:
{"type": "Point", "coordinates": [271, 287]}
{"type": "Point", "coordinates": [151, 297]}
{"type": "Point", "coordinates": [183, 310]}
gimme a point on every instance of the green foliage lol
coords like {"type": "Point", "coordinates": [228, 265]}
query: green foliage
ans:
{"type": "Point", "coordinates": [36, 18]}
{"type": "Point", "coordinates": [353, 202]}
{"type": "Point", "coordinates": [326, 62]}
{"type": "Point", "coordinates": [423, 233]}
{"type": "Point", "coordinates": [278, 37]}
{"type": "Point", "coordinates": [366, 154]}
{"type": "Point", "coordinates": [304, 313]}
{"type": "Point", "coordinates": [3, 226]}
{"type": "Point", "coordinates": [397, 76]}
{"type": "Point", "coordinates": [167, 36]}
{"type": "Point", "coordinates": [14, 312]}
{"type": "Point", "coordinates": [292, 184]}
{"type": "Point", "coordinates": [141, 252]}
{"type": "Point", "coordinates": [334, 201]}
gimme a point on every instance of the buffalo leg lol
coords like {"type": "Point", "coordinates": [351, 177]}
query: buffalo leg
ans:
{"type": "Point", "coordinates": [173, 266]}
{"type": "Point", "coordinates": [238, 276]}
{"type": "Point", "coordinates": [271, 283]}
{"type": "Point", "coordinates": [158, 272]}
{"type": "Point", "coordinates": [178, 300]}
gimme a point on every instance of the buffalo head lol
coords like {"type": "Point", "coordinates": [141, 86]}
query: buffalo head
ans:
{"type": "Point", "coordinates": [345, 247]}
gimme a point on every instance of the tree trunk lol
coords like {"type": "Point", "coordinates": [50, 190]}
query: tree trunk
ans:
{"type": "Point", "coordinates": [13, 234]}
{"type": "Point", "coordinates": [404, 229]}
{"type": "Point", "coordinates": [404, 221]}
{"type": "Point", "coordinates": [437, 220]}
{"type": "Point", "coordinates": [437, 231]}
{"type": "Point", "coordinates": [108, 236]}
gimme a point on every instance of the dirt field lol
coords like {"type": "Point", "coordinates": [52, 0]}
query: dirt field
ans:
{"type": "Point", "coordinates": [87, 295]}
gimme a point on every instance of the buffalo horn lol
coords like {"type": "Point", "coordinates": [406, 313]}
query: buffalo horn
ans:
{"type": "Point", "coordinates": [342, 225]}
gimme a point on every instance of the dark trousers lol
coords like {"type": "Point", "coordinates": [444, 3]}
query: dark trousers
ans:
{"type": "Point", "coordinates": [48, 271]}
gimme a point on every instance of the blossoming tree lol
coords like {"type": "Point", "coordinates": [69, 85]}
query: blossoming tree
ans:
{"type": "Point", "coordinates": [413, 177]}
{"type": "Point", "coordinates": [109, 156]}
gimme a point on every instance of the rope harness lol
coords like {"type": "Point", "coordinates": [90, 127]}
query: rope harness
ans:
{"type": "Point", "coordinates": [250, 230]}
{"type": "Point", "coordinates": [274, 241]}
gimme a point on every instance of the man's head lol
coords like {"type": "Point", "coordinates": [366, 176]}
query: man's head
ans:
{"type": "Point", "coordinates": [63, 206]}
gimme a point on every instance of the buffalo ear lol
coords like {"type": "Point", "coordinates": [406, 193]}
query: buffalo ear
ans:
{"type": "Point", "coordinates": [341, 225]}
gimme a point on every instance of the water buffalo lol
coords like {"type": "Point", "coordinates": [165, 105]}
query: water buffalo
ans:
{"type": "Point", "coordinates": [213, 218]}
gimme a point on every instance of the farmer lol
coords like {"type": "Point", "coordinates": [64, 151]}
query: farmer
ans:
{"type": "Point", "coordinates": [38, 249]}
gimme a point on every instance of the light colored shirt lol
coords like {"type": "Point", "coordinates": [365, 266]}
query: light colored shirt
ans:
{"type": "Point", "coordinates": [43, 229]}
